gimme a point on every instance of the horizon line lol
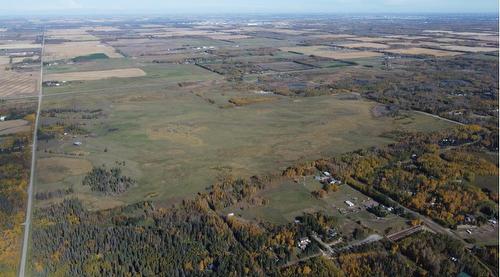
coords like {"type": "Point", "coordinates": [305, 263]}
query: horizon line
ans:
{"type": "Point", "coordinates": [92, 12]}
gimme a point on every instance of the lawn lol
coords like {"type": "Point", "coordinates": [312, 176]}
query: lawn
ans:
{"type": "Point", "coordinates": [288, 199]}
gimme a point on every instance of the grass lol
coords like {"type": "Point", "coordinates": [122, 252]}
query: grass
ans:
{"type": "Point", "coordinates": [91, 57]}
{"type": "Point", "coordinates": [487, 182]}
{"type": "Point", "coordinates": [244, 101]}
{"type": "Point", "coordinates": [156, 74]}
{"type": "Point", "coordinates": [100, 64]}
{"type": "Point", "coordinates": [259, 42]}
{"type": "Point", "coordinates": [174, 142]}
{"type": "Point", "coordinates": [288, 200]}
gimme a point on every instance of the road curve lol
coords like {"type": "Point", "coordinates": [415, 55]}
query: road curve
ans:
{"type": "Point", "coordinates": [27, 223]}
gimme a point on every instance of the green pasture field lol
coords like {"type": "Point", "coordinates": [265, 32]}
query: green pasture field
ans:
{"type": "Point", "coordinates": [100, 64]}
{"type": "Point", "coordinates": [156, 74]}
{"type": "Point", "coordinates": [174, 141]}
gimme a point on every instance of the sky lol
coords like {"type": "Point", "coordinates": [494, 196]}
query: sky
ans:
{"type": "Point", "coordinates": [247, 6]}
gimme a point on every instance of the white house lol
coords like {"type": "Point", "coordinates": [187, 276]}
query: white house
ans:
{"type": "Point", "coordinates": [303, 243]}
{"type": "Point", "coordinates": [349, 203]}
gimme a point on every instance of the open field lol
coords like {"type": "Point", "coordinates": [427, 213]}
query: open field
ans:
{"type": "Point", "coordinates": [161, 46]}
{"type": "Point", "coordinates": [175, 32]}
{"type": "Point", "coordinates": [482, 36]}
{"type": "Point", "coordinates": [19, 45]}
{"type": "Point", "coordinates": [68, 50]}
{"type": "Point", "coordinates": [150, 112]}
{"type": "Point", "coordinates": [332, 36]}
{"type": "Point", "coordinates": [244, 101]}
{"type": "Point", "coordinates": [185, 118]}
{"type": "Point", "coordinates": [174, 133]}
{"type": "Point", "coordinates": [287, 200]}
{"type": "Point", "coordinates": [57, 168]}
{"type": "Point", "coordinates": [372, 39]}
{"type": "Point", "coordinates": [488, 182]}
{"type": "Point", "coordinates": [423, 51]}
{"type": "Point", "coordinates": [77, 34]}
{"type": "Point", "coordinates": [225, 36]}
{"type": "Point", "coordinates": [333, 53]}
{"type": "Point", "coordinates": [466, 34]}
{"type": "Point", "coordinates": [280, 30]}
{"type": "Point", "coordinates": [448, 46]}
{"type": "Point", "coordinates": [472, 49]}
{"type": "Point", "coordinates": [102, 28]}
{"type": "Point", "coordinates": [96, 75]}
{"type": "Point", "coordinates": [17, 83]}
{"type": "Point", "coordinates": [92, 65]}
{"type": "Point", "coordinates": [283, 66]}
{"type": "Point", "coordinates": [157, 75]}
{"type": "Point", "coordinates": [406, 37]}
{"type": "Point", "coordinates": [13, 126]}
{"type": "Point", "coordinates": [366, 45]}
{"type": "Point", "coordinates": [4, 60]}
{"type": "Point", "coordinates": [188, 32]}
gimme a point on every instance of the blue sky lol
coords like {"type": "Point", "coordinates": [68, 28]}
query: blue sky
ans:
{"type": "Point", "coordinates": [245, 6]}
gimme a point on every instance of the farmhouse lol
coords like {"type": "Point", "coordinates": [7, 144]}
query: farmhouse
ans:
{"type": "Point", "coordinates": [51, 84]}
{"type": "Point", "coordinates": [303, 243]}
{"type": "Point", "coordinates": [327, 178]}
{"type": "Point", "coordinates": [334, 181]}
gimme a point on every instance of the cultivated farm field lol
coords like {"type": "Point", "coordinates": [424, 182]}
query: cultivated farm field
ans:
{"type": "Point", "coordinates": [333, 53]}
{"type": "Point", "coordinates": [366, 45]}
{"type": "Point", "coordinates": [69, 50]}
{"type": "Point", "coordinates": [18, 83]}
{"type": "Point", "coordinates": [423, 51]}
{"type": "Point", "coordinates": [96, 75]}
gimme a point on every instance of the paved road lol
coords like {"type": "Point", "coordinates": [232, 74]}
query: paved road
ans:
{"type": "Point", "coordinates": [430, 223]}
{"type": "Point", "coordinates": [436, 227]}
{"type": "Point", "coordinates": [27, 223]}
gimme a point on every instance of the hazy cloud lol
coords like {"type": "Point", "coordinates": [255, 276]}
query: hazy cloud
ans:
{"type": "Point", "coordinates": [242, 6]}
